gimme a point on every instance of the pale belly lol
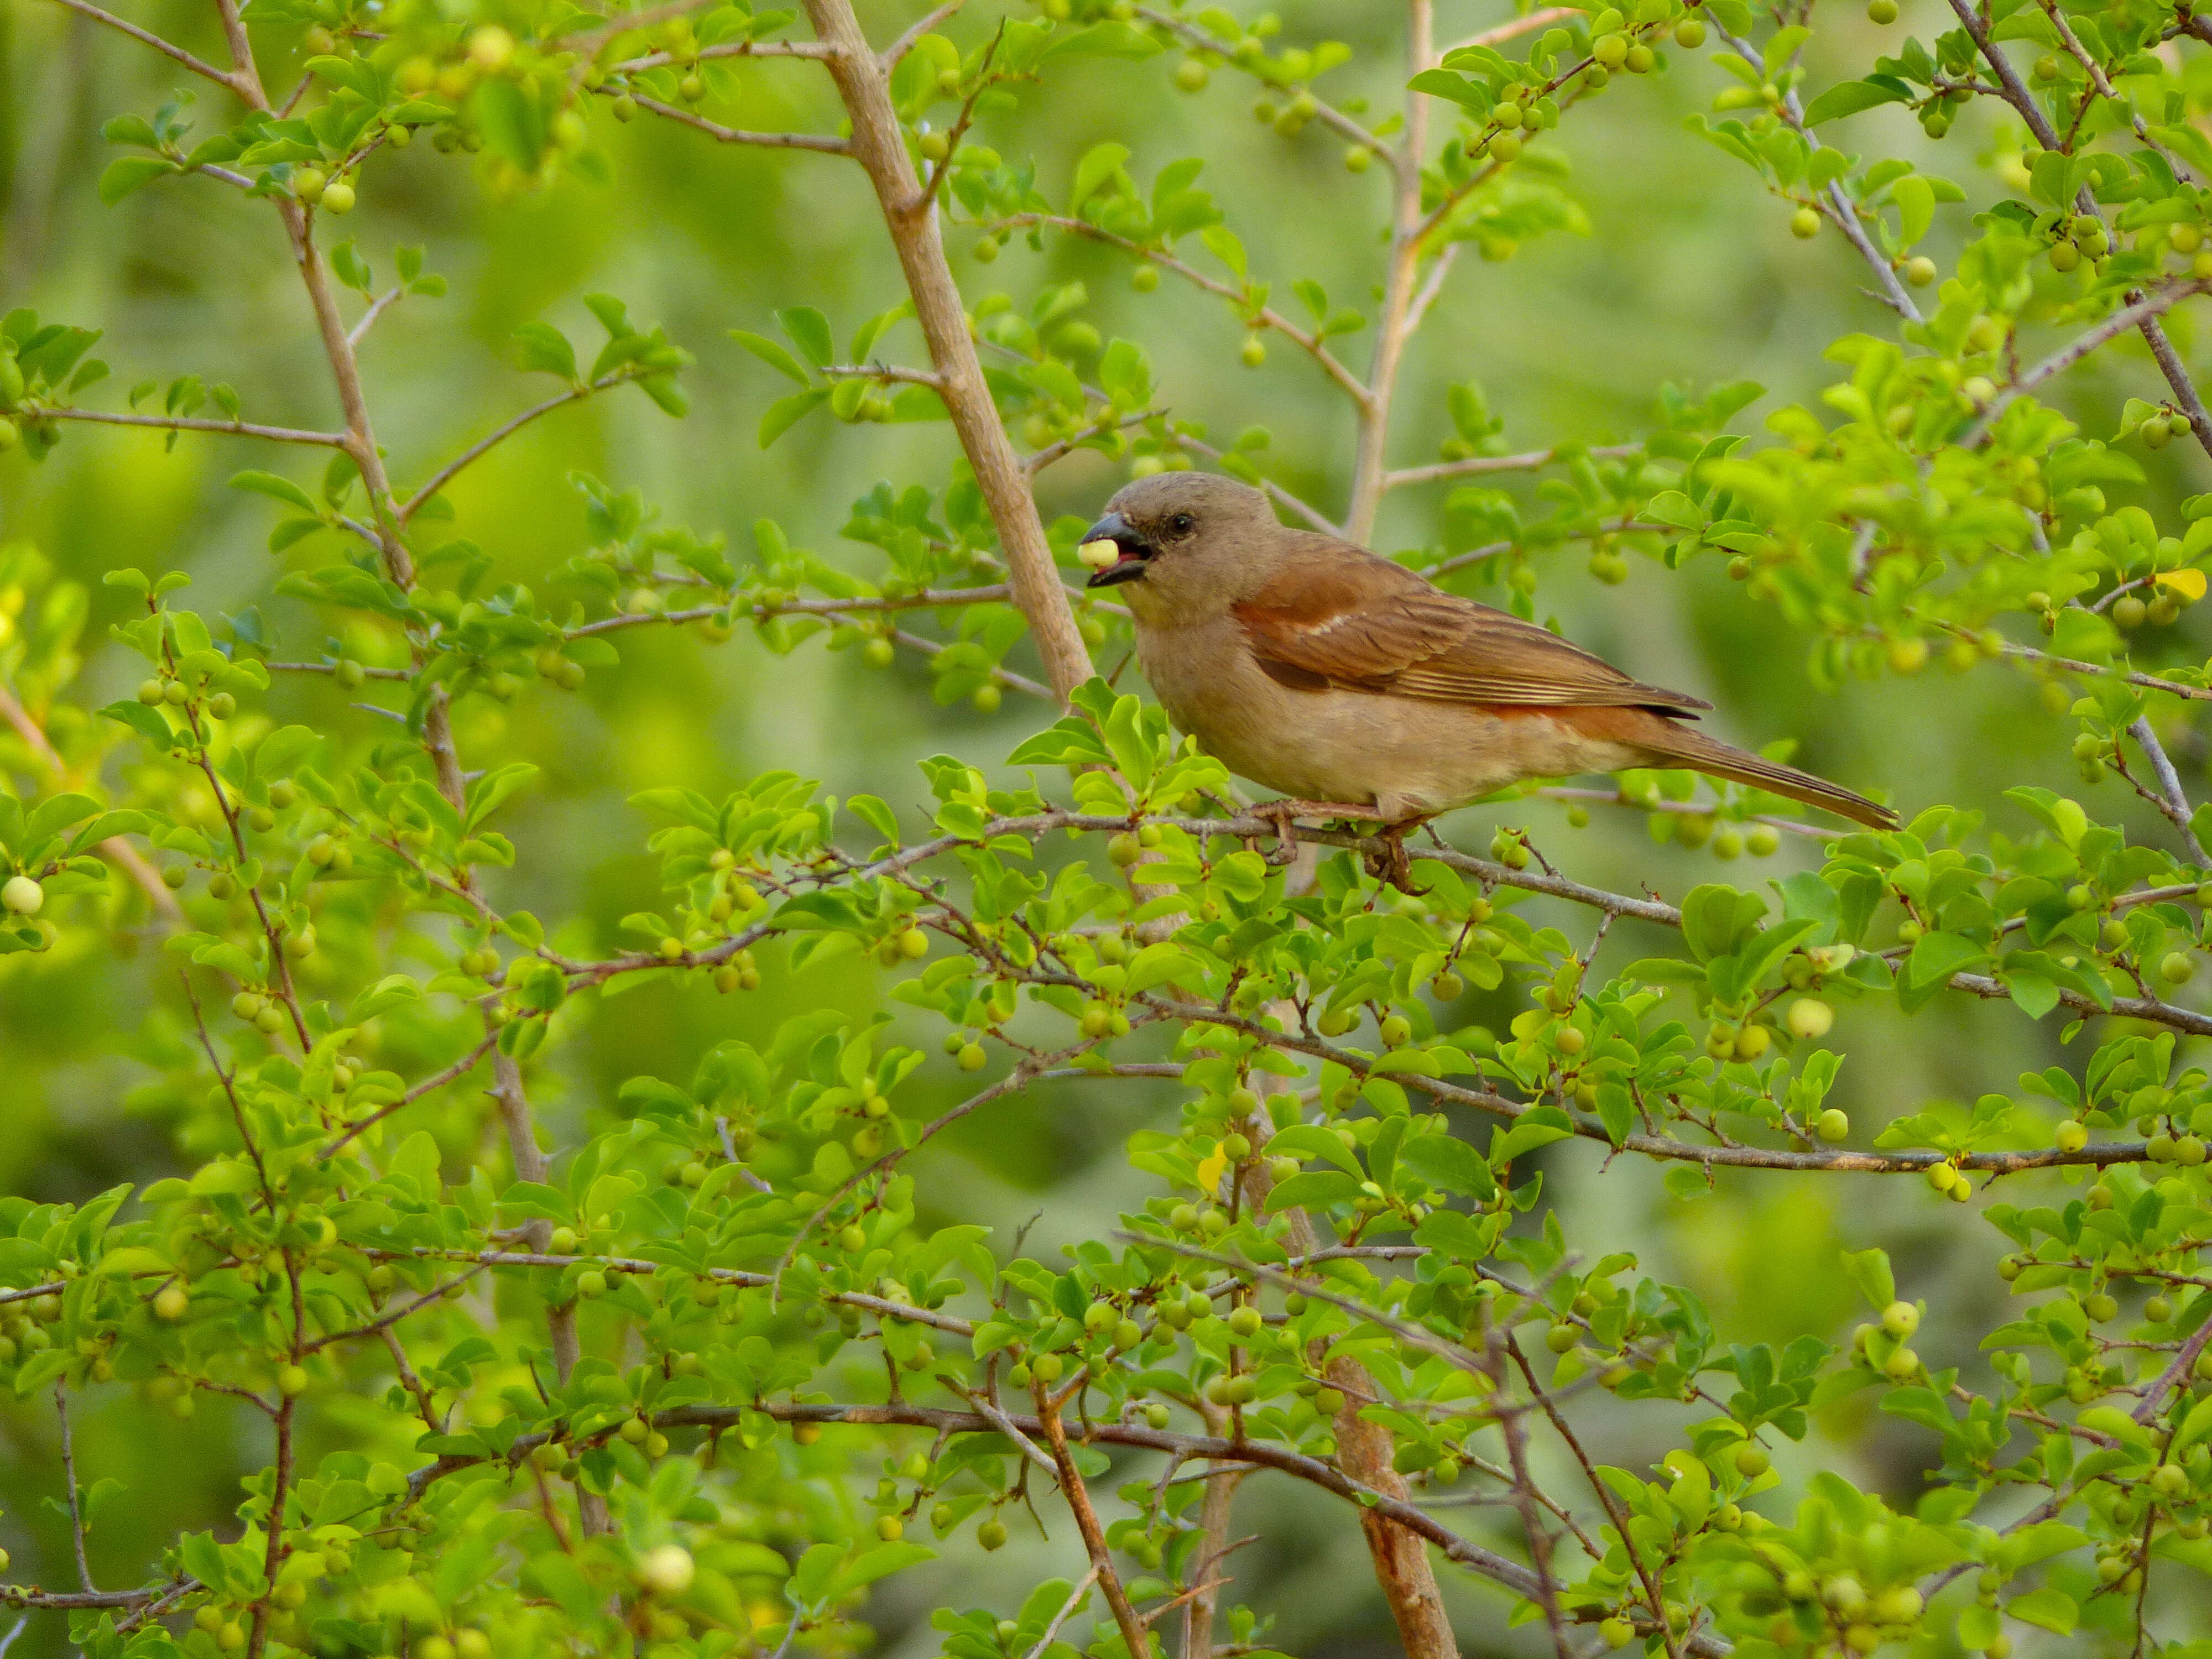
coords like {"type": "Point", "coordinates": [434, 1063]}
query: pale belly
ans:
{"type": "Point", "coordinates": [1405, 757]}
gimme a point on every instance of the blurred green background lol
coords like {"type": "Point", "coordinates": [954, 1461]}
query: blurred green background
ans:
{"type": "Point", "coordinates": [1688, 275]}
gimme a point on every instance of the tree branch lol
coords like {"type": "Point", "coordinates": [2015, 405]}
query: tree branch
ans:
{"type": "Point", "coordinates": [283, 435]}
{"type": "Point", "coordinates": [714, 130]}
{"type": "Point", "coordinates": [477, 450]}
{"type": "Point", "coordinates": [1527, 461]}
{"type": "Point", "coordinates": [1086, 1521]}
{"type": "Point", "coordinates": [1267, 317]}
{"type": "Point", "coordinates": [880, 146]}
{"type": "Point", "coordinates": [83, 7]}
{"type": "Point", "coordinates": [1401, 280]}
{"type": "Point", "coordinates": [2170, 798]}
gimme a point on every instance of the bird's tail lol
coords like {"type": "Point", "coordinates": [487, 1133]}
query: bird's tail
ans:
{"type": "Point", "coordinates": [1684, 746]}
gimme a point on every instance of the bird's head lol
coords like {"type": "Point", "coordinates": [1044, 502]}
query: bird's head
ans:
{"type": "Point", "coordinates": [1187, 544]}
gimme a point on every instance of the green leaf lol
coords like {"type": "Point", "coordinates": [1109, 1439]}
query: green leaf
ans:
{"type": "Point", "coordinates": [1870, 1270]}
{"type": "Point", "coordinates": [772, 354]}
{"type": "Point", "coordinates": [1916, 206]}
{"type": "Point", "coordinates": [1448, 1161]}
{"type": "Point", "coordinates": [2051, 1608]}
{"type": "Point", "coordinates": [127, 172]}
{"type": "Point", "coordinates": [1849, 97]}
{"type": "Point", "coordinates": [876, 814]}
{"type": "Point", "coordinates": [544, 349]}
{"type": "Point", "coordinates": [283, 490]}
{"type": "Point", "coordinates": [1539, 1125]}
{"type": "Point", "coordinates": [785, 412]}
{"type": "Point", "coordinates": [513, 123]}
{"type": "Point", "coordinates": [1099, 164]}
{"type": "Point", "coordinates": [486, 794]}
{"type": "Point", "coordinates": [1936, 956]}
{"type": "Point", "coordinates": [810, 330]}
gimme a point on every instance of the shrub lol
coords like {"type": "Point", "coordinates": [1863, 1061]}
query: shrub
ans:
{"type": "Point", "coordinates": [697, 1375]}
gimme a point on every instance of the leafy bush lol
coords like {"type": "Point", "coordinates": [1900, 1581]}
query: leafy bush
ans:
{"type": "Point", "coordinates": [702, 1370]}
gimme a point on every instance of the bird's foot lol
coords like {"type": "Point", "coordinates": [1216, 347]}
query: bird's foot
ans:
{"type": "Point", "coordinates": [1280, 815]}
{"type": "Point", "coordinates": [1393, 865]}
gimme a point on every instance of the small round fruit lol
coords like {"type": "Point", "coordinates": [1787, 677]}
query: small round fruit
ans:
{"type": "Point", "coordinates": [1751, 1462]}
{"type": "Point", "coordinates": [1900, 1320]}
{"type": "Point", "coordinates": [1834, 1125]}
{"type": "Point", "coordinates": [1805, 223]}
{"type": "Point", "coordinates": [667, 1571]}
{"type": "Point", "coordinates": [2072, 1136]}
{"type": "Point", "coordinates": [1809, 1018]}
{"type": "Point", "coordinates": [1254, 351]}
{"type": "Point", "coordinates": [1882, 11]}
{"type": "Point", "coordinates": [338, 197]}
{"type": "Point", "coordinates": [23, 895]}
{"type": "Point", "coordinates": [292, 1381]}
{"type": "Point", "coordinates": [1920, 270]}
{"type": "Point", "coordinates": [1689, 35]}
{"type": "Point", "coordinates": [992, 1535]}
{"type": "Point", "coordinates": [1191, 75]}
{"type": "Point", "coordinates": [172, 1302]}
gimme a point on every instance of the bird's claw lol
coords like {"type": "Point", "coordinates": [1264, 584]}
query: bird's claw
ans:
{"type": "Point", "coordinates": [1393, 865]}
{"type": "Point", "coordinates": [1280, 816]}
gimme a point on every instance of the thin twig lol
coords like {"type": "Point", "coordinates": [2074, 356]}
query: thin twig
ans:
{"type": "Point", "coordinates": [195, 65]}
{"type": "Point", "coordinates": [817, 141]}
{"type": "Point", "coordinates": [1067, 1608]}
{"type": "Point", "coordinates": [2170, 798]}
{"type": "Point", "coordinates": [69, 1479]}
{"type": "Point", "coordinates": [283, 435]}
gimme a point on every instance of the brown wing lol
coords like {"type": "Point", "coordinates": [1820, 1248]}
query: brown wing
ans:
{"type": "Point", "coordinates": [1336, 616]}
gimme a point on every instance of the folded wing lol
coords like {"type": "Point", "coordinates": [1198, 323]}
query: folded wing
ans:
{"type": "Point", "coordinates": [1336, 616]}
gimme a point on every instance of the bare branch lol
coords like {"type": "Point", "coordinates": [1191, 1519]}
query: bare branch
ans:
{"type": "Point", "coordinates": [926, 24]}
{"type": "Point", "coordinates": [715, 130]}
{"type": "Point", "coordinates": [83, 7]}
{"type": "Point", "coordinates": [1267, 317]}
{"type": "Point", "coordinates": [1086, 1521]}
{"type": "Point", "coordinates": [69, 1479]}
{"type": "Point", "coordinates": [1083, 1587]}
{"type": "Point", "coordinates": [1401, 281]}
{"type": "Point", "coordinates": [281, 434]}
{"type": "Point", "coordinates": [2133, 315]}
{"type": "Point", "coordinates": [1527, 461]}
{"type": "Point", "coordinates": [477, 451]}
{"type": "Point", "coordinates": [1542, 17]}
{"type": "Point", "coordinates": [880, 145]}
{"type": "Point", "coordinates": [2170, 798]}
{"type": "Point", "coordinates": [382, 303]}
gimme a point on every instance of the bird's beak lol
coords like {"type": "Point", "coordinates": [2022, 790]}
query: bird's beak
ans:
{"type": "Point", "coordinates": [1129, 550]}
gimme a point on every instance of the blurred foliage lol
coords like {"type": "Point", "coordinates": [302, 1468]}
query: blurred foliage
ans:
{"type": "Point", "coordinates": [675, 666]}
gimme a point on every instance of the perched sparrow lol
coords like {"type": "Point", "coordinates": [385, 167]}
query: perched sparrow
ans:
{"type": "Point", "coordinates": [1312, 667]}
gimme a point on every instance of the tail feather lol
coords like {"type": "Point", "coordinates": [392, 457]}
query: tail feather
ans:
{"type": "Point", "coordinates": [1684, 746]}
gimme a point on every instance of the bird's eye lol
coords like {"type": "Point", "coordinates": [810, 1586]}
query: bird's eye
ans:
{"type": "Point", "coordinates": [1181, 524]}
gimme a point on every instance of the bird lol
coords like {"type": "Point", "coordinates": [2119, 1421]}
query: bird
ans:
{"type": "Point", "coordinates": [1360, 689]}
